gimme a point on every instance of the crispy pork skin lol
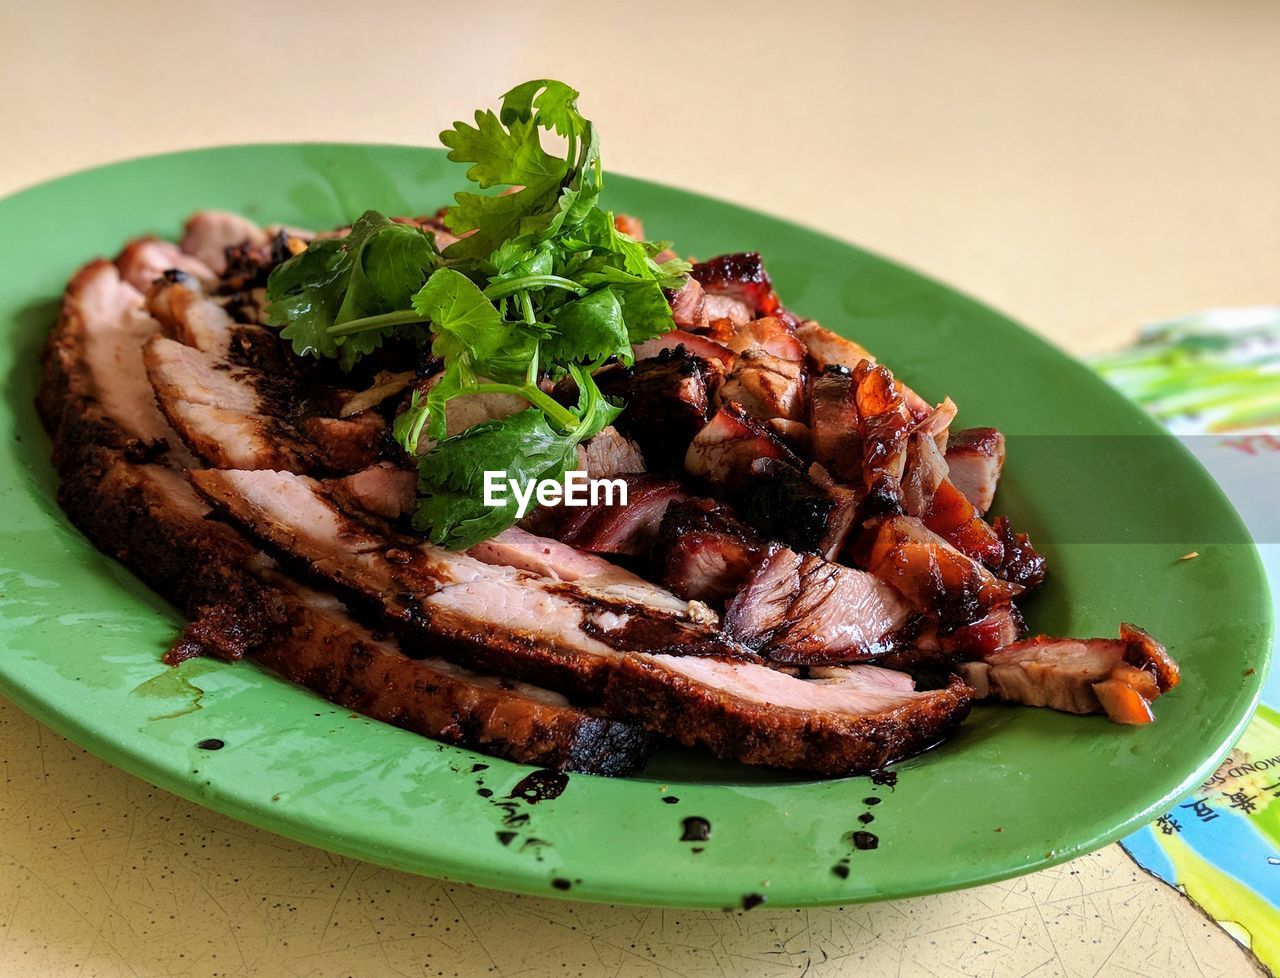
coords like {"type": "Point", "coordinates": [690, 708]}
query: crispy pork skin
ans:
{"type": "Point", "coordinates": [838, 722]}
{"type": "Point", "coordinates": [308, 638]}
{"type": "Point", "coordinates": [1078, 675]}
{"type": "Point", "coordinates": [975, 458]}
{"type": "Point", "coordinates": [800, 608]}
{"type": "Point", "coordinates": [935, 577]}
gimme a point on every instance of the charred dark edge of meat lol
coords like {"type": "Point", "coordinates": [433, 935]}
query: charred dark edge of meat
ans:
{"type": "Point", "coordinates": [202, 566]}
{"type": "Point", "coordinates": [761, 734]}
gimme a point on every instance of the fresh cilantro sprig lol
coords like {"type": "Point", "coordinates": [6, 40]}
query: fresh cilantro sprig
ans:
{"type": "Point", "coordinates": [540, 285]}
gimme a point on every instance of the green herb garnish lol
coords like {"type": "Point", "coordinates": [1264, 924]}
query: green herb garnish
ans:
{"type": "Point", "coordinates": [540, 286]}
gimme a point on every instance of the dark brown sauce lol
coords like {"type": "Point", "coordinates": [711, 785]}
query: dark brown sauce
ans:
{"type": "Point", "coordinates": [484, 792]}
{"type": "Point", "coordinates": [540, 786]}
{"type": "Point", "coordinates": [873, 800]}
{"type": "Point", "coordinates": [865, 840]}
{"type": "Point", "coordinates": [671, 800]}
{"type": "Point", "coordinates": [477, 768]}
{"type": "Point", "coordinates": [752, 900]}
{"type": "Point", "coordinates": [866, 818]}
{"type": "Point", "coordinates": [560, 883]}
{"type": "Point", "coordinates": [213, 743]}
{"type": "Point", "coordinates": [505, 837]}
{"type": "Point", "coordinates": [887, 778]}
{"type": "Point", "coordinates": [696, 829]}
{"type": "Point", "coordinates": [841, 869]}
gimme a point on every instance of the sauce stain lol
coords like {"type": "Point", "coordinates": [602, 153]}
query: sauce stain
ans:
{"type": "Point", "coordinates": [212, 743]}
{"type": "Point", "coordinates": [540, 786]}
{"type": "Point", "coordinates": [841, 869]}
{"type": "Point", "coordinates": [696, 829]}
{"type": "Point", "coordinates": [670, 800]}
{"type": "Point", "coordinates": [887, 778]}
{"type": "Point", "coordinates": [752, 900]}
{"type": "Point", "coordinates": [560, 883]}
{"type": "Point", "coordinates": [505, 837]}
{"type": "Point", "coordinates": [866, 818]}
{"type": "Point", "coordinates": [873, 800]}
{"type": "Point", "coordinates": [865, 840]}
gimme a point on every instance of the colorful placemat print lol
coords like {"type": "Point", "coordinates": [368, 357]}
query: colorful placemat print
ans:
{"type": "Point", "coordinates": [1214, 380]}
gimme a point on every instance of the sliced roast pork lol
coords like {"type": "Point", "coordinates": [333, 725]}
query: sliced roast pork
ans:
{"type": "Point", "coordinates": [834, 424]}
{"type": "Point", "coordinates": [147, 514]}
{"type": "Point", "coordinates": [145, 260]}
{"type": "Point", "coordinates": [827, 349]}
{"type": "Point", "coordinates": [576, 641]}
{"type": "Point", "coordinates": [975, 458]}
{"type": "Point", "coordinates": [1117, 676]}
{"type": "Point", "coordinates": [840, 720]}
{"type": "Point", "coordinates": [611, 528]}
{"type": "Point", "coordinates": [722, 453]}
{"type": "Point", "coordinates": [935, 577]}
{"type": "Point", "coordinates": [704, 552]}
{"type": "Point", "coordinates": [741, 279]}
{"type": "Point", "coordinates": [886, 424]}
{"type": "Point", "coordinates": [693, 343]}
{"type": "Point", "coordinates": [765, 386]}
{"type": "Point", "coordinates": [800, 608]}
{"type": "Point", "coordinates": [769, 335]}
{"type": "Point", "coordinates": [807, 511]}
{"type": "Point", "coordinates": [668, 398]}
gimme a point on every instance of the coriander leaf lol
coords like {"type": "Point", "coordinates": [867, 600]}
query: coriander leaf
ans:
{"type": "Point", "coordinates": [590, 329]}
{"type": "Point", "coordinates": [451, 506]}
{"type": "Point", "coordinates": [408, 426]}
{"type": "Point", "coordinates": [595, 410]}
{"type": "Point", "coordinates": [468, 325]}
{"type": "Point", "coordinates": [373, 270]}
{"type": "Point", "coordinates": [304, 294]}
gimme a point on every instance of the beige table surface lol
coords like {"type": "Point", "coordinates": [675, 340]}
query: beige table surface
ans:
{"type": "Point", "coordinates": [1084, 166]}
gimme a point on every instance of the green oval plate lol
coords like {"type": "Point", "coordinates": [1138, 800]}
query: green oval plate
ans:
{"type": "Point", "coordinates": [1015, 790]}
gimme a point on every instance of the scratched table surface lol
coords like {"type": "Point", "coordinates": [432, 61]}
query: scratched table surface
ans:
{"type": "Point", "coordinates": [1085, 167]}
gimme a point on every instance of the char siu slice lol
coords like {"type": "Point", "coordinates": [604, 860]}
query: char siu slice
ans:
{"type": "Point", "coordinates": [935, 577]}
{"type": "Point", "coordinates": [975, 458]}
{"type": "Point", "coordinates": [721, 454]}
{"type": "Point", "coordinates": [704, 552]}
{"type": "Point", "coordinates": [611, 529]}
{"type": "Point", "coordinates": [766, 387]}
{"type": "Point", "coordinates": [668, 400]}
{"type": "Point", "coordinates": [581, 643]}
{"type": "Point", "coordinates": [769, 335]}
{"type": "Point", "coordinates": [1021, 563]}
{"type": "Point", "coordinates": [834, 424]}
{"type": "Point", "coordinates": [885, 427]}
{"type": "Point", "coordinates": [839, 721]}
{"type": "Point", "coordinates": [693, 343]}
{"type": "Point", "coordinates": [998, 628]}
{"type": "Point", "coordinates": [827, 349]}
{"type": "Point", "coordinates": [953, 517]}
{"type": "Point", "coordinates": [799, 608]}
{"type": "Point", "coordinates": [812, 515]}
{"type": "Point", "coordinates": [740, 278]}
{"type": "Point", "coordinates": [1116, 676]}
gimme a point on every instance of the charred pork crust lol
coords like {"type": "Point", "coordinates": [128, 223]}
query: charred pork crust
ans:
{"type": "Point", "coordinates": [118, 489]}
{"type": "Point", "coordinates": [763, 733]}
{"type": "Point", "coordinates": [784, 504]}
{"type": "Point", "coordinates": [668, 400]}
{"type": "Point", "coordinates": [741, 276]}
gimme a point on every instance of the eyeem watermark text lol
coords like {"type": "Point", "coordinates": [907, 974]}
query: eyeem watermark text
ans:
{"type": "Point", "coordinates": [577, 490]}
